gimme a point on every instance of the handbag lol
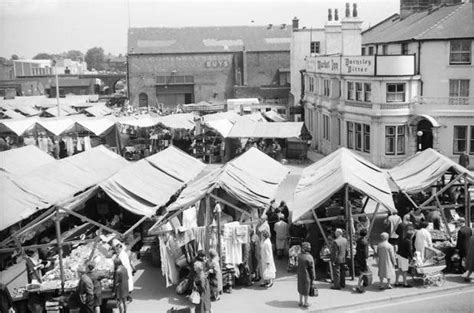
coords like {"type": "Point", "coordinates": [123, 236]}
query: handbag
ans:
{"type": "Point", "coordinates": [195, 297]}
{"type": "Point", "coordinates": [313, 291]}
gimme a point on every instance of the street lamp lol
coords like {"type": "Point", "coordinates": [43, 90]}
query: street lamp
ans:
{"type": "Point", "coordinates": [57, 85]}
{"type": "Point", "coordinates": [419, 134]}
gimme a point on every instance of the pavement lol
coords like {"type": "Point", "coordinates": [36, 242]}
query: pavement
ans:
{"type": "Point", "coordinates": [151, 295]}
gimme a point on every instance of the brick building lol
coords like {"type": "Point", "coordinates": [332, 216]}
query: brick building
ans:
{"type": "Point", "coordinates": [192, 64]}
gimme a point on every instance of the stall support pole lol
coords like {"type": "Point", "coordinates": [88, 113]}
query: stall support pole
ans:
{"type": "Point", "coordinates": [443, 216]}
{"type": "Point", "coordinates": [219, 237]}
{"type": "Point", "coordinates": [320, 228]}
{"type": "Point", "coordinates": [443, 189]}
{"type": "Point", "coordinates": [207, 222]}
{"type": "Point", "coordinates": [349, 226]}
{"type": "Point", "coordinates": [373, 220]}
{"type": "Point", "coordinates": [467, 200]}
{"type": "Point", "coordinates": [60, 248]}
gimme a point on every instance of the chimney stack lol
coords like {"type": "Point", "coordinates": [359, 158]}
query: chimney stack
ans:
{"type": "Point", "coordinates": [295, 24]}
{"type": "Point", "coordinates": [336, 15]}
{"type": "Point", "coordinates": [329, 15]}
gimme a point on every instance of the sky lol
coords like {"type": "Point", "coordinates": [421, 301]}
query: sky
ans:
{"type": "Point", "coordinates": [28, 27]}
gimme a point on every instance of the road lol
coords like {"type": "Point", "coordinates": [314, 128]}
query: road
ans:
{"type": "Point", "coordinates": [450, 301]}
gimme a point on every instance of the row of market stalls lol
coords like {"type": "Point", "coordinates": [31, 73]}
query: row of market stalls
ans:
{"type": "Point", "coordinates": [70, 192]}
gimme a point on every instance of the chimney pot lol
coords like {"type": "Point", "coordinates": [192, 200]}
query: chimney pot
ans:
{"type": "Point", "coordinates": [336, 15]}
{"type": "Point", "coordinates": [354, 9]}
{"type": "Point", "coordinates": [295, 24]}
{"type": "Point", "coordinates": [269, 26]}
{"type": "Point", "coordinates": [329, 15]}
{"type": "Point", "coordinates": [348, 10]}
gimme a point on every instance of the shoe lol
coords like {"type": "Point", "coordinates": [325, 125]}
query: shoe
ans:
{"type": "Point", "coordinates": [467, 280]}
{"type": "Point", "coordinates": [263, 284]}
{"type": "Point", "coordinates": [306, 305]}
{"type": "Point", "coordinates": [389, 287]}
{"type": "Point", "coordinates": [300, 304]}
{"type": "Point", "coordinates": [398, 285]}
{"type": "Point", "coordinates": [269, 285]}
{"type": "Point", "coordinates": [382, 287]}
{"type": "Point", "coordinates": [335, 288]}
{"type": "Point", "coordinates": [407, 286]}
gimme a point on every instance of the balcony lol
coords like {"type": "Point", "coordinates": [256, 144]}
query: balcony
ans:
{"type": "Point", "coordinates": [442, 101]}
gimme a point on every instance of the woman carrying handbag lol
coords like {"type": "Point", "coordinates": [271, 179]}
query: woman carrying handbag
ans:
{"type": "Point", "coordinates": [201, 285]}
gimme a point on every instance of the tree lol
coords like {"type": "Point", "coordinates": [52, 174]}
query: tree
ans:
{"type": "Point", "coordinates": [14, 57]}
{"type": "Point", "coordinates": [74, 55]}
{"type": "Point", "coordinates": [95, 58]}
{"type": "Point", "coordinates": [43, 56]}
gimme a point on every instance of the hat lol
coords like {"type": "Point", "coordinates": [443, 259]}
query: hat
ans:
{"type": "Point", "coordinates": [306, 246]}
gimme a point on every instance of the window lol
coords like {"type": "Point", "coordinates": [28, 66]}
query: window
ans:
{"type": "Point", "coordinates": [339, 131]}
{"type": "Point", "coordinates": [367, 92]}
{"type": "Point", "coordinates": [326, 127]}
{"type": "Point", "coordinates": [371, 50]}
{"type": "Point", "coordinates": [471, 149]}
{"type": "Point", "coordinates": [310, 84]}
{"type": "Point", "coordinates": [366, 138]}
{"type": "Point", "coordinates": [363, 51]}
{"type": "Point", "coordinates": [384, 49]}
{"type": "Point", "coordinates": [350, 91]}
{"type": "Point", "coordinates": [460, 139]}
{"type": "Point", "coordinates": [395, 92]}
{"type": "Point", "coordinates": [358, 136]}
{"type": "Point", "coordinates": [405, 48]}
{"type": "Point", "coordinates": [358, 91]}
{"type": "Point", "coordinates": [350, 135]}
{"type": "Point", "coordinates": [315, 47]}
{"type": "Point", "coordinates": [460, 52]}
{"type": "Point", "coordinates": [143, 100]}
{"type": "Point", "coordinates": [395, 140]}
{"type": "Point", "coordinates": [458, 91]}
{"type": "Point", "coordinates": [174, 79]}
{"type": "Point", "coordinates": [326, 87]}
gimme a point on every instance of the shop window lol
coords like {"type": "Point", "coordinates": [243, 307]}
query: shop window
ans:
{"type": "Point", "coordinates": [458, 91]}
{"type": "Point", "coordinates": [404, 48]}
{"type": "Point", "coordinates": [396, 92]}
{"type": "Point", "coordinates": [350, 91]}
{"type": "Point", "coordinates": [362, 52]}
{"type": "Point", "coordinates": [460, 52]}
{"type": "Point", "coordinates": [143, 100]}
{"type": "Point", "coordinates": [395, 140]}
{"type": "Point", "coordinates": [350, 135]}
{"type": "Point", "coordinates": [358, 91]}
{"type": "Point", "coordinates": [367, 92]}
{"type": "Point", "coordinates": [384, 49]}
{"type": "Point", "coordinates": [460, 139]}
{"type": "Point", "coordinates": [371, 50]}
{"type": "Point", "coordinates": [315, 47]}
{"type": "Point", "coordinates": [326, 127]}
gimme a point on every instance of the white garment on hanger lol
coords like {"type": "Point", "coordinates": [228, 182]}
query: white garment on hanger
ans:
{"type": "Point", "coordinates": [69, 146]}
{"type": "Point", "coordinates": [79, 144]}
{"type": "Point", "coordinates": [87, 143]}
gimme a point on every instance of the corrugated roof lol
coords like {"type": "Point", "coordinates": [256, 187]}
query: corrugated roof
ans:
{"type": "Point", "coordinates": [446, 22]}
{"type": "Point", "coordinates": [208, 39]}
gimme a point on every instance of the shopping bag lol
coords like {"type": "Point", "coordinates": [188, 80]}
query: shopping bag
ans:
{"type": "Point", "coordinates": [195, 297]}
{"type": "Point", "coordinates": [313, 291]}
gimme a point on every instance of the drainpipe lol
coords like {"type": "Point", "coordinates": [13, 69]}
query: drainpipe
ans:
{"type": "Point", "coordinates": [128, 79]}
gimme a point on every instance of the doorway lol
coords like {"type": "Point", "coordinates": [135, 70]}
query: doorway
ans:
{"type": "Point", "coordinates": [424, 135]}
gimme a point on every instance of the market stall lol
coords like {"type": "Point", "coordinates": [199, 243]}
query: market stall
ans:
{"type": "Point", "coordinates": [24, 159]}
{"type": "Point", "coordinates": [237, 192]}
{"type": "Point", "coordinates": [334, 193]}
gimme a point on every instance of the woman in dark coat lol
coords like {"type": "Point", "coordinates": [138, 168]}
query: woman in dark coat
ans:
{"type": "Point", "coordinates": [360, 258]}
{"type": "Point", "coordinates": [201, 284]}
{"type": "Point", "coordinates": [305, 273]}
{"type": "Point", "coordinates": [470, 259]}
{"type": "Point", "coordinates": [121, 285]}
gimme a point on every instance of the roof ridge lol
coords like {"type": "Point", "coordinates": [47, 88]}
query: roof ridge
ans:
{"type": "Point", "coordinates": [440, 21]}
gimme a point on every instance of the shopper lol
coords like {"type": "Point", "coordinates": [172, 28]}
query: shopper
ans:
{"type": "Point", "coordinates": [464, 233]}
{"type": "Point", "coordinates": [417, 217]}
{"type": "Point", "coordinates": [338, 260]}
{"type": "Point", "coordinates": [404, 258]}
{"type": "Point", "coordinates": [266, 259]}
{"type": "Point", "coordinates": [122, 254]}
{"type": "Point", "coordinates": [201, 285]}
{"type": "Point", "coordinates": [85, 290]}
{"type": "Point", "coordinates": [464, 159]}
{"type": "Point", "coordinates": [281, 234]}
{"type": "Point", "coordinates": [386, 261]}
{"type": "Point", "coordinates": [121, 290]}
{"type": "Point", "coordinates": [215, 275]}
{"type": "Point", "coordinates": [422, 239]}
{"type": "Point", "coordinates": [360, 258]}
{"type": "Point", "coordinates": [470, 259]}
{"type": "Point", "coordinates": [392, 223]}
{"type": "Point", "coordinates": [305, 273]}
{"type": "Point", "coordinates": [6, 301]}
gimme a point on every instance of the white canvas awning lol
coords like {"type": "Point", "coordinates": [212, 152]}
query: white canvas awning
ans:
{"type": "Point", "coordinates": [248, 129]}
{"type": "Point", "coordinates": [24, 159]}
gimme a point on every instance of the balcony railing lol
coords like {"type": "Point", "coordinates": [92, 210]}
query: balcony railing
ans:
{"type": "Point", "coordinates": [443, 100]}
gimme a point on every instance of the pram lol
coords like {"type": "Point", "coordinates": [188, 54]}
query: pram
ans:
{"type": "Point", "coordinates": [293, 257]}
{"type": "Point", "coordinates": [431, 270]}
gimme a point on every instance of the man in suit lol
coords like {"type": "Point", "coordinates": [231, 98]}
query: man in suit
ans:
{"type": "Point", "coordinates": [464, 233]}
{"type": "Point", "coordinates": [338, 260]}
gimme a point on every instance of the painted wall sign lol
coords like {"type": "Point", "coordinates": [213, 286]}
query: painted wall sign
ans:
{"type": "Point", "coordinates": [362, 65]}
{"type": "Point", "coordinates": [216, 63]}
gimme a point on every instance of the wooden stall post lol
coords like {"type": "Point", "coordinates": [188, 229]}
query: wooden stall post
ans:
{"type": "Point", "coordinates": [60, 248]}
{"type": "Point", "coordinates": [467, 204]}
{"type": "Point", "coordinates": [207, 223]}
{"type": "Point", "coordinates": [373, 220]}
{"type": "Point", "coordinates": [219, 239]}
{"type": "Point", "coordinates": [349, 226]}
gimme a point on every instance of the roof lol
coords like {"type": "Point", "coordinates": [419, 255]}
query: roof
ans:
{"type": "Point", "coordinates": [248, 129]}
{"type": "Point", "coordinates": [148, 184]}
{"type": "Point", "coordinates": [97, 126]}
{"type": "Point", "coordinates": [61, 180]}
{"type": "Point", "coordinates": [73, 82]}
{"type": "Point", "coordinates": [274, 116]}
{"type": "Point", "coordinates": [24, 159]}
{"type": "Point", "coordinates": [11, 114]}
{"type": "Point", "coordinates": [324, 178]}
{"type": "Point", "coordinates": [58, 125]}
{"type": "Point", "coordinates": [64, 110]}
{"type": "Point", "coordinates": [17, 126]}
{"type": "Point", "coordinates": [17, 204]}
{"type": "Point", "coordinates": [99, 109]}
{"type": "Point", "coordinates": [208, 39]}
{"type": "Point", "coordinates": [222, 126]}
{"type": "Point", "coordinates": [445, 22]}
{"type": "Point", "coordinates": [423, 169]}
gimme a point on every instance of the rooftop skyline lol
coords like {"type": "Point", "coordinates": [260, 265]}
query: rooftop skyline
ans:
{"type": "Point", "coordinates": [28, 27]}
